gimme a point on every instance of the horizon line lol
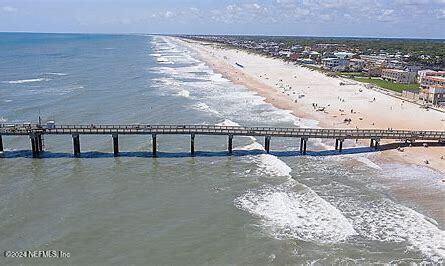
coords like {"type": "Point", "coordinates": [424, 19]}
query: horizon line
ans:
{"type": "Point", "coordinates": [227, 34]}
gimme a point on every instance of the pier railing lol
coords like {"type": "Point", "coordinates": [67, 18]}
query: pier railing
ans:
{"type": "Point", "coordinates": [36, 132]}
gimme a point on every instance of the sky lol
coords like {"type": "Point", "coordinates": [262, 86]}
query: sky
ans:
{"type": "Point", "coordinates": [359, 18]}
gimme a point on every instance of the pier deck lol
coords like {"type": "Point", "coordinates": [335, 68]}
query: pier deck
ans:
{"type": "Point", "coordinates": [35, 132]}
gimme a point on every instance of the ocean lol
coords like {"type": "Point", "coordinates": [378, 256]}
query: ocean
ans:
{"type": "Point", "coordinates": [249, 208]}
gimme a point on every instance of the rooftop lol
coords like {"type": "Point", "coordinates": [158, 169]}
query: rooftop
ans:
{"type": "Point", "coordinates": [394, 70]}
{"type": "Point", "coordinates": [434, 78]}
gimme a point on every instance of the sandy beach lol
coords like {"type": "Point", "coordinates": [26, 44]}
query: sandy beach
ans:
{"type": "Point", "coordinates": [298, 89]}
{"type": "Point", "coordinates": [305, 92]}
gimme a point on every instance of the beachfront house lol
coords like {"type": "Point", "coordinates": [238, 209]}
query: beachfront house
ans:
{"type": "Point", "coordinates": [306, 61]}
{"type": "Point", "coordinates": [356, 64]}
{"type": "Point", "coordinates": [330, 63]}
{"type": "Point", "coordinates": [338, 61]}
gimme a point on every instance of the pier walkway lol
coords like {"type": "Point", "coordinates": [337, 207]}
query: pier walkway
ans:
{"type": "Point", "coordinates": [36, 133]}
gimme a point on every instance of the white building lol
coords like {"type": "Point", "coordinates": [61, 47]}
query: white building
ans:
{"type": "Point", "coordinates": [334, 64]}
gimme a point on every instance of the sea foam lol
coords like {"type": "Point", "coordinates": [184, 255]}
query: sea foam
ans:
{"type": "Point", "coordinates": [204, 107]}
{"type": "Point", "coordinates": [56, 74]}
{"type": "Point", "coordinates": [227, 123]}
{"type": "Point", "coordinates": [184, 93]}
{"type": "Point", "coordinates": [22, 81]}
{"type": "Point", "coordinates": [288, 213]}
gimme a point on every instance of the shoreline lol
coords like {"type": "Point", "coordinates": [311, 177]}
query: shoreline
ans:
{"type": "Point", "coordinates": [276, 81]}
{"type": "Point", "coordinates": [324, 119]}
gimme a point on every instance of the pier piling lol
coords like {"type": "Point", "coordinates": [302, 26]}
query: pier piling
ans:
{"type": "Point", "coordinates": [230, 146]}
{"type": "Point", "coordinates": [1, 144]}
{"type": "Point", "coordinates": [377, 143]}
{"type": "Point", "coordinates": [303, 145]}
{"type": "Point", "coordinates": [34, 147]}
{"type": "Point", "coordinates": [76, 145]}
{"type": "Point", "coordinates": [267, 144]}
{"type": "Point", "coordinates": [115, 144]}
{"type": "Point", "coordinates": [192, 144]}
{"type": "Point", "coordinates": [39, 142]}
{"type": "Point", "coordinates": [154, 151]}
{"type": "Point", "coordinates": [37, 132]}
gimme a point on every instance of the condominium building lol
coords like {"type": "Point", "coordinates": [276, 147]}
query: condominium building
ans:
{"type": "Point", "coordinates": [429, 73]}
{"type": "Point", "coordinates": [429, 81]}
{"type": "Point", "coordinates": [356, 64]}
{"type": "Point", "coordinates": [399, 76]}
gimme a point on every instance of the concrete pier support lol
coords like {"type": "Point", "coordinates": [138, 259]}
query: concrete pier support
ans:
{"type": "Point", "coordinates": [34, 147]}
{"type": "Point", "coordinates": [192, 144]}
{"type": "Point", "coordinates": [303, 145]}
{"type": "Point", "coordinates": [154, 145]}
{"type": "Point", "coordinates": [336, 144]}
{"type": "Point", "coordinates": [230, 145]}
{"type": "Point", "coordinates": [375, 143]}
{"type": "Point", "coordinates": [76, 145]}
{"type": "Point", "coordinates": [267, 144]}
{"type": "Point", "coordinates": [39, 142]}
{"type": "Point", "coordinates": [1, 144]}
{"type": "Point", "coordinates": [340, 145]}
{"type": "Point", "coordinates": [115, 145]}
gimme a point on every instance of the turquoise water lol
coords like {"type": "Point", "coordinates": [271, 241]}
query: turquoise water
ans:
{"type": "Point", "coordinates": [250, 208]}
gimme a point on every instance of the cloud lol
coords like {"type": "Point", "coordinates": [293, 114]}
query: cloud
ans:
{"type": "Point", "coordinates": [168, 14]}
{"type": "Point", "coordinates": [325, 17]}
{"type": "Point", "coordinates": [440, 14]}
{"type": "Point", "coordinates": [386, 16]}
{"type": "Point", "coordinates": [8, 9]}
{"type": "Point", "coordinates": [412, 2]}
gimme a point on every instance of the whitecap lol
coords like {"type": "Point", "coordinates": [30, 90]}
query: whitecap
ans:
{"type": "Point", "coordinates": [288, 213]}
{"type": "Point", "coordinates": [21, 81]}
{"type": "Point", "coordinates": [227, 123]}
{"type": "Point", "coordinates": [184, 93]}
{"type": "Point", "coordinates": [267, 164]}
{"type": "Point", "coordinates": [390, 222]}
{"type": "Point", "coordinates": [218, 78]}
{"type": "Point", "coordinates": [204, 107]}
{"type": "Point", "coordinates": [56, 74]}
{"type": "Point", "coordinates": [163, 60]}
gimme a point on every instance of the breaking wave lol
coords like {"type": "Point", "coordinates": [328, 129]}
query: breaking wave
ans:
{"type": "Point", "coordinates": [22, 81]}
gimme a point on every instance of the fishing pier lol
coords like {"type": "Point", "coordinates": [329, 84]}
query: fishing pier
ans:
{"type": "Point", "coordinates": [37, 132]}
